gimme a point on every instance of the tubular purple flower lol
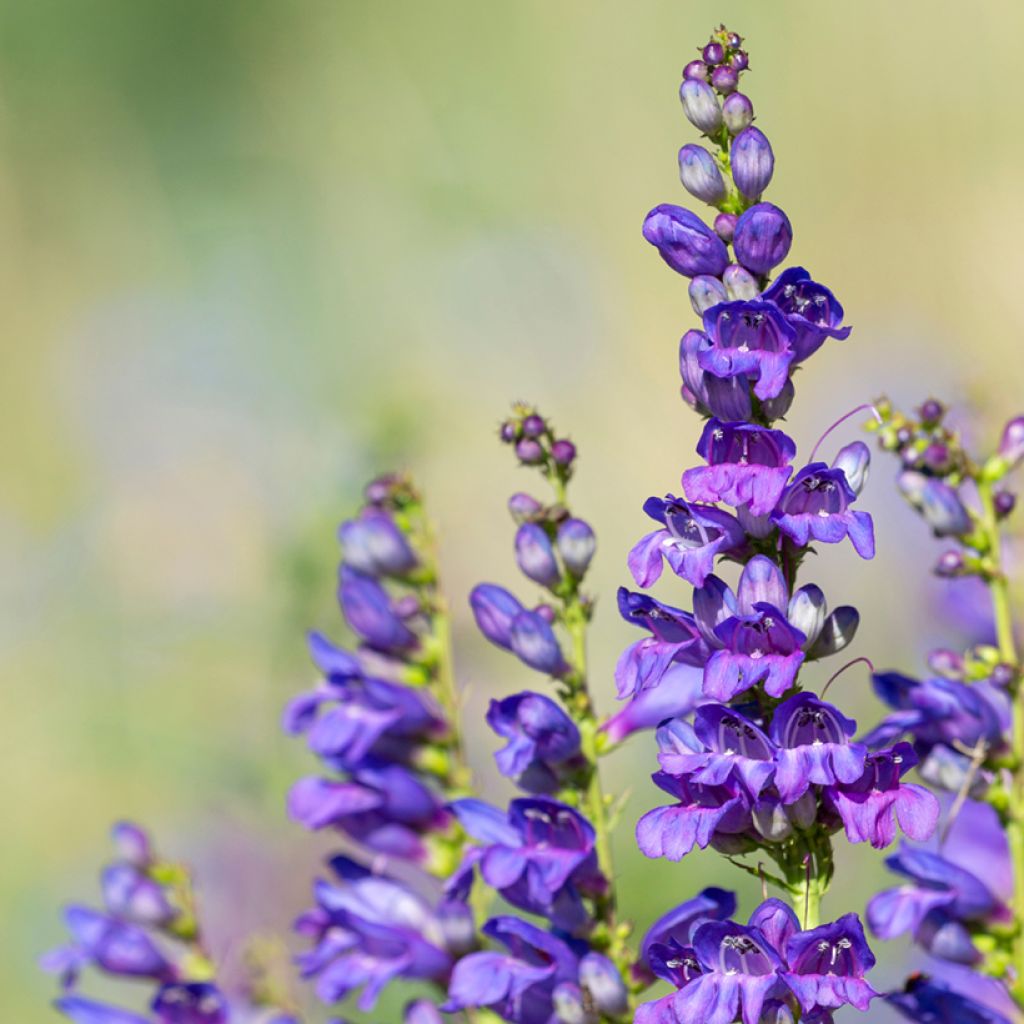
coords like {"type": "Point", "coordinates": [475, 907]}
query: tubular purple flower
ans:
{"type": "Point", "coordinates": [810, 308]}
{"type": "Point", "coordinates": [826, 966]}
{"type": "Point", "coordinates": [763, 238]}
{"type": "Point", "coordinates": [535, 556]}
{"type": "Point", "coordinates": [601, 980]}
{"type": "Point", "coordinates": [494, 609]}
{"type": "Point", "coordinates": [752, 161]}
{"type": "Point", "coordinates": [727, 398]}
{"type": "Point", "coordinates": [685, 242]}
{"type": "Point", "coordinates": [678, 691]}
{"type": "Point", "coordinates": [938, 503]}
{"type": "Point", "coordinates": [368, 610]}
{"type": "Point", "coordinates": [737, 112]}
{"type": "Point", "coordinates": [700, 174]}
{"type": "Point", "coordinates": [700, 105]}
{"type": "Point", "coordinates": [576, 543]}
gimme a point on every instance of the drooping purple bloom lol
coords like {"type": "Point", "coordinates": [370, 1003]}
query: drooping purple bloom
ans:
{"type": "Point", "coordinates": [542, 739]}
{"type": "Point", "coordinates": [868, 807]}
{"type": "Point", "coordinates": [810, 308]}
{"type": "Point", "coordinates": [725, 397]}
{"type": "Point", "coordinates": [816, 506]}
{"type": "Point", "coordinates": [763, 237]}
{"type": "Point", "coordinates": [373, 545]}
{"type": "Point", "coordinates": [690, 539]}
{"type": "Point", "coordinates": [826, 966]}
{"type": "Point", "coordinates": [679, 690]}
{"type": "Point", "coordinates": [747, 465]}
{"type": "Point", "coordinates": [815, 748]}
{"type": "Point", "coordinates": [940, 504]}
{"type": "Point", "coordinates": [751, 340]}
{"type": "Point", "coordinates": [685, 242]}
{"type": "Point", "coordinates": [370, 612]}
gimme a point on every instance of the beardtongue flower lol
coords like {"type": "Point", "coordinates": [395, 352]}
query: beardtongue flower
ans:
{"type": "Point", "coordinates": [752, 161]}
{"type": "Point", "coordinates": [115, 946]}
{"type": "Point", "coordinates": [131, 894]}
{"type": "Point", "coordinates": [533, 642]}
{"type": "Point", "coordinates": [725, 397]}
{"type": "Point", "coordinates": [373, 545]}
{"type": "Point", "coordinates": [816, 506]}
{"type": "Point", "coordinates": [535, 555]}
{"type": "Point", "coordinates": [763, 238]}
{"type": "Point", "coordinates": [369, 611]}
{"type": "Point", "coordinates": [191, 1003]}
{"type": "Point", "coordinates": [747, 465]}
{"type": "Point", "coordinates": [678, 692]}
{"type": "Point", "coordinates": [931, 1002]}
{"type": "Point", "coordinates": [685, 242]}
{"type": "Point", "coordinates": [939, 504]}
{"type": "Point", "coordinates": [810, 308]}
{"type": "Point", "coordinates": [814, 747]}
{"type": "Point", "coordinates": [576, 544]}
{"type": "Point", "coordinates": [678, 925]}
{"type": "Point", "coordinates": [691, 537]}
{"type": "Point", "coordinates": [868, 807]}
{"type": "Point", "coordinates": [826, 966]}
{"type": "Point", "coordinates": [494, 610]}
{"type": "Point", "coordinates": [750, 340]}
{"type": "Point", "coordinates": [542, 740]}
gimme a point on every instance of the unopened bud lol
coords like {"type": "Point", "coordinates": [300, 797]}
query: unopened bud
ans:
{"type": "Point", "coordinates": [1004, 502]}
{"type": "Point", "coordinates": [855, 462]}
{"type": "Point", "coordinates": [523, 507]}
{"type": "Point", "coordinates": [563, 452]}
{"type": "Point", "coordinates": [696, 70]}
{"type": "Point", "coordinates": [700, 174]}
{"type": "Point", "coordinates": [601, 979]}
{"type": "Point", "coordinates": [737, 112]}
{"type": "Point", "coordinates": [950, 563]}
{"type": "Point", "coordinates": [763, 238]}
{"type": "Point", "coordinates": [725, 79]}
{"type": "Point", "coordinates": [713, 53]}
{"type": "Point", "coordinates": [700, 105]}
{"type": "Point", "coordinates": [535, 556]}
{"type": "Point", "coordinates": [753, 162]}
{"type": "Point", "coordinates": [740, 284]}
{"type": "Point", "coordinates": [529, 452]}
{"type": "Point", "coordinates": [1011, 447]}
{"type": "Point", "coordinates": [576, 544]}
{"type": "Point", "coordinates": [725, 226]}
{"type": "Point", "coordinates": [706, 291]}
{"type": "Point", "coordinates": [533, 425]}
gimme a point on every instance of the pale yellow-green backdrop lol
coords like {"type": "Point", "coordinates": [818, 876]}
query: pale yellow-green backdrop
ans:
{"type": "Point", "coordinates": [253, 251]}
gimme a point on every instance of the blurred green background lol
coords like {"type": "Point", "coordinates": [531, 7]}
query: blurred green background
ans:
{"type": "Point", "coordinates": [254, 252]}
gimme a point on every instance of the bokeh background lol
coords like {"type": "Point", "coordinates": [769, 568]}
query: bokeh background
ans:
{"type": "Point", "coordinates": [255, 251]}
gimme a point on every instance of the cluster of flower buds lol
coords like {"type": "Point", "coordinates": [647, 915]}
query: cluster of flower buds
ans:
{"type": "Point", "coordinates": [147, 932]}
{"type": "Point", "coordinates": [535, 444]}
{"type": "Point", "coordinates": [964, 721]}
{"type": "Point", "coordinates": [382, 722]}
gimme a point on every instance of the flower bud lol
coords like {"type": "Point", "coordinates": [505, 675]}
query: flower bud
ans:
{"type": "Point", "coordinates": [739, 61]}
{"type": "Point", "coordinates": [804, 812]}
{"type": "Point", "coordinates": [534, 643]}
{"type": "Point", "coordinates": [494, 609]}
{"type": "Point", "coordinates": [535, 556]}
{"type": "Point", "coordinates": [931, 412]}
{"type": "Point", "coordinates": [1011, 447]}
{"type": "Point", "coordinates": [563, 452]}
{"type": "Point", "coordinates": [724, 79]}
{"type": "Point", "coordinates": [700, 174]}
{"type": "Point", "coordinates": [763, 238]}
{"type": "Point", "coordinates": [601, 978]}
{"type": "Point", "coordinates": [457, 927]}
{"type": "Point", "coordinates": [567, 1000]}
{"type": "Point", "coordinates": [938, 503]}
{"type": "Point", "coordinates": [546, 612]}
{"type": "Point", "coordinates": [700, 105]}
{"type": "Point", "coordinates": [739, 283]}
{"type": "Point", "coordinates": [838, 632]}
{"type": "Point", "coordinates": [374, 545]}
{"type": "Point", "coordinates": [1004, 502]}
{"type": "Point", "coordinates": [534, 425]}
{"type": "Point", "coordinates": [132, 844]}
{"type": "Point", "coordinates": [697, 70]}
{"type": "Point", "coordinates": [946, 663]}
{"type": "Point", "coordinates": [713, 53]}
{"type": "Point", "coordinates": [807, 611]}
{"type": "Point", "coordinates": [725, 226]}
{"type": "Point", "coordinates": [129, 893]}
{"type": "Point", "coordinates": [737, 112]}
{"type": "Point", "coordinates": [855, 462]}
{"type": "Point", "coordinates": [529, 451]}
{"type": "Point", "coordinates": [576, 544]}
{"type": "Point", "coordinates": [771, 821]}
{"type": "Point", "coordinates": [752, 162]}
{"type": "Point", "coordinates": [950, 563]}
{"type": "Point", "coordinates": [734, 40]}
{"type": "Point", "coordinates": [1003, 675]}
{"type": "Point", "coordinates": [509, 431]}
{"type": "Point", "coordinates": [523, 507]}
{"type": "Point", "coordinates": [422, 1011]}
{"type": "Point", "coordinates": [705, 292]}
{"type": "Point", "coordinates": [777, 407]}
{"type": "Point", "coordinates": [685, 242]}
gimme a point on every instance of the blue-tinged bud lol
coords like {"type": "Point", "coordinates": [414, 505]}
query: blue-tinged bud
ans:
{"type": "Point", "coordinates": [696, 69]}
{"type": "Point", "coordinates": [563, 451]}
{"type": "Point", "coordinates": [807, 612]}
{"type": "Point", "coordinates": [705, 292]}
{"type": "Point", "coordinates": [369, 611]}
{"type": "Point", "coordinates": [601, 978]}
{"type": "Point", "coordinates": [1004, 503]}
{"type": "Point", "coordinates": [737, 112]}
{"type": "Point", "coordinates": [725, 226]}
{"type": "Point", "coordinates": [771, 821]}
{"type": "Point", "coordinates": [685, 242]}
{"type": "Point", "coordinates": [931, 412]}
{"type": "Point", "coordinates": [535, 556]}
{"type": "Point", "coordinates": [804, 812]}
{"type": "Point", "coordinates": [838, 632]}
{"type": "Point", "coordinates": [533, 641]}
{"type": "Point", "coordinates": [739, 283]}
{"type": "Point", "coordinates": [523, 507]}
{"type": "Point", "coordinates": [576, 544]}
{"type": "Point", "coordinates": [725, 79]}
{"type": "Point", "coordinates": [422, 1011]}
{"type": "Point", "coordinates": [132, 844]}
{"type": "Point", "coordinates": [374, 545]}
{"type": "Point", "coordinates": [713, 53]}
{"type": "Point", "coordinates": [569, 1007]}
{"type": "Point", "coordinates": [739, 61]}
{"type": "Point", "coordinates": [950, 564]}
{"type": "Point", "coordinates": [763, 238]}
{"type": "Point", "coordinates": [700, 174]}
{"type": "Point", "coordinates": [938, 503]}
{"type": "Point", "coordinates": [753, 162]}
{"type": "Point", "coordinates": [534, 425]}
{"type": "Point", "coordinates": [494, 609]}
{"type": "Point", "coordinates": [1011, 447]}
{"type": "Point", "coordinates": [777, 407]}
{"type": "Point", "coordinates": [131, 894]}
{"type": "Point", "coordinates": [855, 462]}
{"type": "Point", "coordinates": [529, 451]}
{"type": "Point", "coordinates": [700, 105]}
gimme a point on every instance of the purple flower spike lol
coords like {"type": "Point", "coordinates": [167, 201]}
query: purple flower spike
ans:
{"type": "Point", "coordinates": [685, 242]}
{"type": "Point", "coordinates": [541, 738]}
{"type": "Point", "coordinates": [369, 612]}
{"type": "Point", "coordinates": [827, 966]}
{"type": "Point", "coordinates": [868, 806]}
{"type": "Point", "coordinates": [752, 162]}
{"type": "Point", "coordinates": [814, 747]}
{"type": "Point", "coordinates": [692, 536]}
{"type": "Point", "coordinates": [810, 308]}
{"type": "Point", "coordinates": [763, 237]}
{"type": "Point", "coordinates": [372, 544]}
{"type": "Point", "coordinates": [748, 339]}
{"type": "Point", "coordinates": [747, 465]}
{"type": "Point", "coordinates": [816, 506]}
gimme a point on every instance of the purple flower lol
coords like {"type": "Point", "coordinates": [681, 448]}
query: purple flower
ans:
{"type": "Point", "coordinates": [763, 237]}
{"type": "Point", "coordinates": [721, 747]}
{"type": "Point", "coordinates": [539, 857]}
{"type": "Point", "coordinates": [679, 924]}
{"type": "Point", "coordinates": [810, 309]}
{"type": "Point", "coordinates": [115, 946]}
{"type": "Point", "coordinates": [690, 539]}
{"type": "Point", "coordinates": [541, 740]}
{"type": "Point", "coordinates": [131, 894]}
{"type": "Point", "coordinates": [752, 162]}
{"type": "Point", "coordinates": [678, 692]}
{"type": "Point", "coordinates": [816, 506]}
{"type": "Point", "coordinates": [535, 555]}
{"type": "Point", "coordinates": [931, 1002]}
{"type": "Point", "coordinates": [814, 747]}
{"type": "Point", "coordinates": [827, 966]}
{"type": "Point", "coordinates": [700, 174]}
{"type": "Point", "coordinates": [938, 503]}
{"type": "Point", "coordinates": [937, 906]}
{"type": "Point", "coordinates": [370, 612]}
{"type": "Point", "coordinates": [747, 465]}
{"type": "Point", "coordinates": [494, 609]}
{"type": "Point", "coordinates": [725, 397]}
{"type": "Point", "coordinates": [868, 806]}
{"type": "Point", "coordinates": [576, 544]}
{"type": "Point", "coordinates": [373, 545]}
{"type": "Point", "coordinates": [748, 339]}
{"type": "Point", "coordinates": [367, 932]}
{"type": "Point", "coordinates": [685, 242]}
{"type": "Point", "coordinates": [518, 985]}
{"type": "Point", "coordinates": [755, 641]}
{"type": "Point", "coordinates": [507, 624]}
{"type": "Point", "coordinates": [191, 1003]}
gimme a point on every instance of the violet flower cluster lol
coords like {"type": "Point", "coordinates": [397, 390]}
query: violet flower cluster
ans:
{"type": "Point", "coordinates": [509, 910]}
